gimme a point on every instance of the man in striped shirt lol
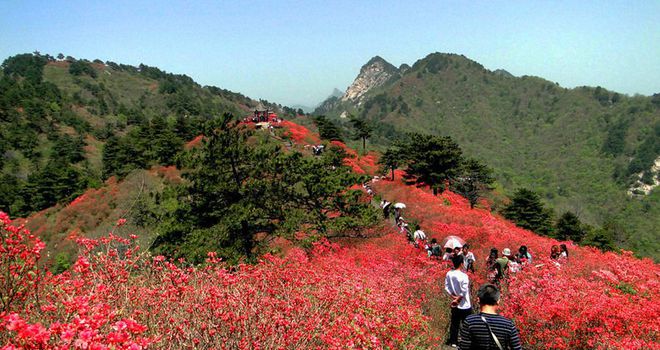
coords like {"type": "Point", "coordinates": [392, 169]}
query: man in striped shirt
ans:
{"type": "Point", "coordinates": [487, 329]}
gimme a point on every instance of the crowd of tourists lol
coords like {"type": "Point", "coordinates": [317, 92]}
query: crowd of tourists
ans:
{"type": "Point", "coordinates": [468, 330]}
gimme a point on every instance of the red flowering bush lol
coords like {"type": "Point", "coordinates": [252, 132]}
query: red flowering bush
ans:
{"type": "Point", "coordinates": [591, 300]}
{"type": "Point", "coordinates": [370, 296]}
{"type": "Point", "coordinates": [299, 133]}
{"type": "Point", "coordinates": [19, 275]}
{"type": "Point", "coordinates": [376, 294]}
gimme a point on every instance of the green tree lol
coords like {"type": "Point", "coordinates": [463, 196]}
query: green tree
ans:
{"type": "Point", "coordinates": [327, 129]}
{"type": "Point", "coordinates": [603, 238]}
{"type": "Point", "coordinates": [432, 160]}
{"type": "Point", "coordinates": [616, 138]}
{"type": "Point", "coordinates": [569, 227]}
{"type": "Point", "coordinates": [473, 180]}
{"type": "Point", "coordinates": [363, 131]}
{"type": "Point", "coordinates": [182, 128]}
{"type": "Point", "coordinates": [27, 65]}
{"type": "Point", "coordinates": [112, 157]}
{"type": "Point", "coordinates": [68, 149]}
{"type": "Point", "coordinates": [10, 188]}
{"type": "Point", "coordinates": [391, 159]}
{"type": "Point", "coordinates": [527, 211]}
{"type": "Point", "coordinates": [56, 182]}
{"type": "Point", "coordinates": [165, 142]}
{"type": "Point", "coordinates": [80, 67]}
{"type": "Point", "coordinates": [242, 190]}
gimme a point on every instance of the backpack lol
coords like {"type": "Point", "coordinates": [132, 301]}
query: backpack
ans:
{"type": "Point", "coordinates": [436, 250]}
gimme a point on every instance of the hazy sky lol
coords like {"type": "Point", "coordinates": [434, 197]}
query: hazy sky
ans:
{"type": "Point", "coordinates": [296, 52]}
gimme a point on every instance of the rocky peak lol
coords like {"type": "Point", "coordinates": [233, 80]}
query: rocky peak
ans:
{"type": "Point", "coordinates": [502, 72]}
{"type": "Point", "coordinates": [373, 74]}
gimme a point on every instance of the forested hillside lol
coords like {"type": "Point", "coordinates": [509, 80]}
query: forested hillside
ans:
{"type": "Point", "coordinates": [56, 115]}
{"type": "Point", "coordinates": [586, 150]}
{"type": "Point", "coordinates": [86, 143]}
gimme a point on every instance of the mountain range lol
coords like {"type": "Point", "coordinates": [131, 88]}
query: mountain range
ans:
{"type": "Point", "coordinates": [587, 150]}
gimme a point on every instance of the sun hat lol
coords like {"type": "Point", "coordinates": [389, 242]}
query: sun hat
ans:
{"type": "Point", "coordinates": [506, 251]}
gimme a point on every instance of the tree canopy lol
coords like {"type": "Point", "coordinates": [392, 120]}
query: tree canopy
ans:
{"type": "Point", "coordinates": [431, 160]}
{"type": "Point", "coordinates": [527, 211]}
{"type": "Point", "coordinates": [473, 181]}
{"type": "Point", "coordinates": [569, 227]}
{"type": "Point", "coordinates": [242, 190]}
{"type": "Point", "coordinates": [363, 130]}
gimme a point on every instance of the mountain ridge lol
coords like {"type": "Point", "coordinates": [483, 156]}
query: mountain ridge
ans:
{"type": "Point", "coordinates": [581, 148]}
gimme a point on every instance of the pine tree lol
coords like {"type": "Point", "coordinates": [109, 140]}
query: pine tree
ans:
{"type": "Point", "coordinates": [327, 129]}
{"type": "Point", "coordinates": [527, 211]}
{"type": "Point", "coordinates": [473, 180]}
{"type": "Point", "coordinates": [165, 142]}
{"type": "Point", "coordinates": [391, 159]}
{"type": "Point", "coordinates": [432, 160]}
{"type": "Point", "coordinates": [111, 157]}
{"type": "Point", "coordinates": [603, 238]}
{"type": "Point", "coordinates": [569, 227]}
{"type": "Point", "coordinates": [363, 131]}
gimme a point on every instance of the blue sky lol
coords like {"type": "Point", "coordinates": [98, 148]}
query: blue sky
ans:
{"type": "Point", "coordinates": [296, 52]}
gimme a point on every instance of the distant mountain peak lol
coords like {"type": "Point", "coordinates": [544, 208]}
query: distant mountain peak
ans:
{"type": "Point", "coordinates": [376, 72]}
{"type": "Point", "coordinates": [503, 73]}
{"type": "Point", "coordinates": [336, 93]}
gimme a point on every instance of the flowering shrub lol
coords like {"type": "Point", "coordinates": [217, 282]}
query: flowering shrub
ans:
{"type": "Point", "coordinates": [592, 300]}
{"type": "Point", "coordinates": [299, 133]}
{"type": "Point", "coordinates": [19, 254]}
{"type": "Point", "coordinates": [333, 297]}
{"type": "Point", "coordinates": [378, 294]}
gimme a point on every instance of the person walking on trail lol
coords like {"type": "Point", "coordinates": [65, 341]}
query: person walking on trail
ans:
{"type": "Point", "coordinates": [419, 237]}
{"type": "Point", "coordinates": [469, 258]}
{"type": "Point", "coordinates": [502, 264]}
{"type": "Point", "coordinates": [491, 265]}
{"type": "Point", "coordinates": [487, 329]}
{"type": "Point", "coordinates": [385, 205]}
{"type": "Point", "coordinates": [457, 285]}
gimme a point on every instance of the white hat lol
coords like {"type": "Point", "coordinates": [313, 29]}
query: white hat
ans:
{"type": "Point", "coordinates": [506, 251]}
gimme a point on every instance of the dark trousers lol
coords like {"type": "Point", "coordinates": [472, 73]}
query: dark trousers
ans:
{"type": "Point", "coordinates": [457, 317]}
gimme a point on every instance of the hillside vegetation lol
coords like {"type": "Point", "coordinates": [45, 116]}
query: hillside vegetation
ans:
{"type": "Point", "coordinates": [83, 143]}
{"type": "Point", "coordinates": [375, 294]}
{"type": "Point", "coordinates": [582, 149]}
{"type": "Point", "coordinates": [56, 115]}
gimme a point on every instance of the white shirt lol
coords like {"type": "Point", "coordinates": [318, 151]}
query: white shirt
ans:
{"type": "Point", "coordinates": [457, 283]}
{"type": "Point", "coordinates": [419, 235]}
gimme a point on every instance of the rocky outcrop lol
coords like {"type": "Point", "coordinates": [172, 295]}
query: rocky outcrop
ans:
{"type": "Point", "coordinates": [503, 73]}
{"type": "Point", "coordinates": [643, 188]}
{"type": "Point", "coordinates": [375, 73]}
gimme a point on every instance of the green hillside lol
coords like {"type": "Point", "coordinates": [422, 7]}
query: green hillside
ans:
{"type": "Point", "coordinates": [56, 115]}
{"type": "Point", "coordinates": [579, 148]}
{"type": "Point", "coordinates": [85, 144]}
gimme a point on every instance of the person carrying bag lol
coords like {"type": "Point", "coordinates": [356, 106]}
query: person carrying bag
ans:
{"type": "Point", "coordinates": [487, 329]}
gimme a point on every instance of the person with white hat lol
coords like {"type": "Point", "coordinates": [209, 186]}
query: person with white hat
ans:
{"type": "Point", "coordinates": [502, 264]}
{"type": "Point", "coordinates": [514, 265]}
